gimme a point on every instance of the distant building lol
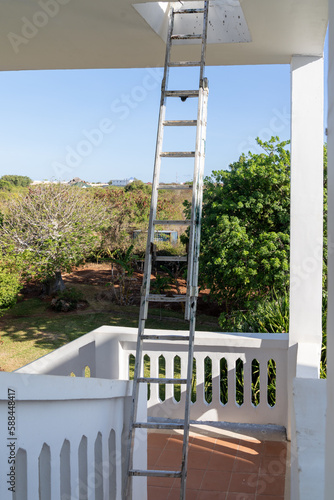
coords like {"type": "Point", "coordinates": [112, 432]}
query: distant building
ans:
{"type": "Point", "coordinates": [122, 182]}
{"type": "Point", "coordinates": [36, 183]}
{"type": "Point", "coordinates": [159, 236]}
{"type": "Point", "coordinates": [75, 181]}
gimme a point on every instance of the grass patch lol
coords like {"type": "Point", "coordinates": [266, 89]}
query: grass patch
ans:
{"type": "Point", "coordinates": [31, 329]}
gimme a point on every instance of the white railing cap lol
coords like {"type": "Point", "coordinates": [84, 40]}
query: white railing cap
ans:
{"type": "Point", "coordinates": [30, 387]}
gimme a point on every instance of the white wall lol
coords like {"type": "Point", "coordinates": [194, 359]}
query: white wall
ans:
{"type": "Point", "coordinates": [307, 83]}
{"type": "Point", "coordinates": [329, 464]}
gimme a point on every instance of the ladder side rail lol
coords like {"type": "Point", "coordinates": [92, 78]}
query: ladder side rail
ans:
{"type": "Point", "coordinates": [202, 107]}
{"type": "Point", "coordinates": [193, 212]}
{"type": "Point", "coordinates": [199, 191]}
{"type": "Point", "coordinates": [148, 261]}
{"type": "Point", "coordinates": [196, 194]}
{"type": "Point", "coordinates": [191, 247]}
{"type": "Point", "coordinates": [185, 446]}
{"type": "Point", "coordinates": [204, 41]}
{"type": "Point", "coordinates": [199, 134]}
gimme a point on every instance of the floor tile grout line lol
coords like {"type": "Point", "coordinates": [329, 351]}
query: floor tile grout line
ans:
{"type": "Point", "coordinates": [229, 483]}
{"type": "Point", "coordinates": [205, 470]}
{"type": "Point", "coordinates": [235, 461]}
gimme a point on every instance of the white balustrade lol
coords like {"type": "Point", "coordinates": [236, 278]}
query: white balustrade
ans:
{"type": "Point", "coordinates": [71, 430]}
{"type": "Point", "coordinates": [107, 350]}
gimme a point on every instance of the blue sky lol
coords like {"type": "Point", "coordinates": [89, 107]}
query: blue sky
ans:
{"type": "Point", "coordinates": [101, 124]}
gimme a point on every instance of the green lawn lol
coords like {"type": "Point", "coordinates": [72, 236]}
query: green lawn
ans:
{"type": "Point", "coordinates": [31, 329]}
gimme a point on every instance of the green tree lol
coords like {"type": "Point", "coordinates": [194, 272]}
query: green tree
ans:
{"type": "Point", "coordinates": [17, 180]}
{"type": "Point", "coordinates": [245, 227]}
{"type": "Point", "coordinates": [129, 210]}
{"type": "Point", "coordinates": [55, 226]}
{"type": "Point", "coordinates": [5, 185]}
{"type": "Point", "coordinates": [10, 278]}
{"type": "Point", "coordinates": [136, 185]}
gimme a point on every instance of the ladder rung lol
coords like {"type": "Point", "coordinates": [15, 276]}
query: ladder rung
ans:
{"type": "Point", "coordinates": [178, 154]}
{"type": "Point", "coordinates": [180, 123]}
{"type": "Point", "coordinates": [165, 337]}
{"type": "Point", "coordinates": [171, 258]}
{"type": "Point", "coordinates": [185, 222]}
{"type": "Point", "coordinates": [190, 11]}
{"type": "Point", "coordinates": [182, 93]}
{"type": "Point", "coordinates": [155, 473]}
{"type": "Point", "coordinates": [180, 64]}
{"type": "Point", "coordinates": [159, 297]}
{"type": "Point", "coordinates": [174, 186]}
{"type": "Point", "coordinates": [155, 425]}
{"type": "Point", "coordinates": [149, 380]}
{"type": "Point", "coordinates": [187, 37]}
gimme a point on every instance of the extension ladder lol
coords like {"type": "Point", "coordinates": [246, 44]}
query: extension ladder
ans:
{"type": "Point", "coordinates": [190, 298]}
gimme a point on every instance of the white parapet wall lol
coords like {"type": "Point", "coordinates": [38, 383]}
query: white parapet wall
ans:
{"type": "Point", "coordinates": [308, 439]}
{"type": "Point", "coordinates": [65, 438]}
{"type": "Point", "coordinates": [107, 350]}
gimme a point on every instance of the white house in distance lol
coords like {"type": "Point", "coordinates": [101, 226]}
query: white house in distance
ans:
{"type": "Point", "coordinates": [68, 34]}
{"type": "Point", "coordinates": [121, 182]}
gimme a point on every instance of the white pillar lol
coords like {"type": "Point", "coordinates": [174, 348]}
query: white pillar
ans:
{"type": "Point", "coordinates": [329, 457]}
{"type": "Point", "coordinates": [307, 87]}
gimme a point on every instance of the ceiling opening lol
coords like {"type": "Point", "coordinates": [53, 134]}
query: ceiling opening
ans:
{"type": "Point", "coordinates": [226, 23]}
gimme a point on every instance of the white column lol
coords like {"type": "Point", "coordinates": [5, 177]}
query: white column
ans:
{"type": "Point", "coordinates": [307, 87]}
{"type": "Point", "coordinates": [329, 457]}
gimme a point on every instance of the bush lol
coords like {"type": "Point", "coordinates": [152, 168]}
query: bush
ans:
{"type": "Point", "coordinates": [269, 315]}
{"type": "Point", "coordinates": [68, 300]}
{"type": "Point", "coordinates": [10, 281]}
{"type": "Point", "coordinates": [9, 289]}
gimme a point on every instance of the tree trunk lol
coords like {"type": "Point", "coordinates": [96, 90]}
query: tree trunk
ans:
{"type": "Point", "coordinates": [54, 285]}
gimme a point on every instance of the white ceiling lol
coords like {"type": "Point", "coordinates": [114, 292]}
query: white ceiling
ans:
{"type": "Point", "coordinates": [64, 34]}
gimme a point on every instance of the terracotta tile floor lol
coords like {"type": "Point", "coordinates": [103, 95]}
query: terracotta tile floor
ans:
{"type": "Point", "coordinates": [218, 468]}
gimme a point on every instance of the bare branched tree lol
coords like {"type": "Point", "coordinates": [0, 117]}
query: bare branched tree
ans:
{"type": "Point", "coordinates": [55, 226]}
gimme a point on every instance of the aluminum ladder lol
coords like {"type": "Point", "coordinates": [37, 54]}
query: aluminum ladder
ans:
{"type": "Point", "coordinates": [190, 298]}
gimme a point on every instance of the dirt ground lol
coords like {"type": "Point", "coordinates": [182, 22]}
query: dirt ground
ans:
{"type": "Point", "coordinates": [101, 275]}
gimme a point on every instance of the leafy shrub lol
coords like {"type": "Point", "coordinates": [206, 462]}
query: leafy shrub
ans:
{"type": "Point", "coordinates": [269, 315]}
{"type": "Point", "coordinates": [10, 279]}
{"type": "Point", "coordinates": [10, 286]}
{"type": "Point", "coordinates": [67, 300]}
